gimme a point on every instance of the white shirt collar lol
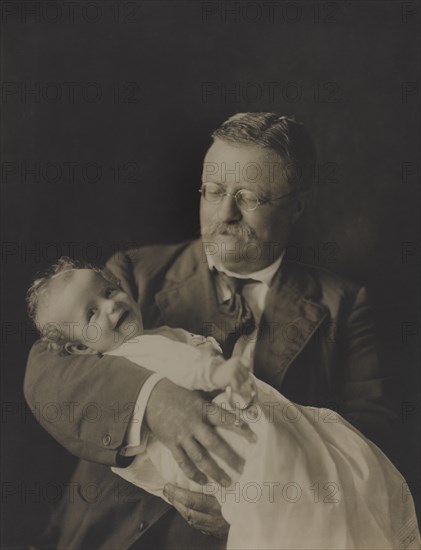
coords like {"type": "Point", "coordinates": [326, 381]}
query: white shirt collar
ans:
{"type": "Point", "coordinates": [264, 275]}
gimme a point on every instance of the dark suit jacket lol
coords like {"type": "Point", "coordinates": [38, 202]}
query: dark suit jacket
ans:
{"type": "Point", "coordinates": [316, 344]}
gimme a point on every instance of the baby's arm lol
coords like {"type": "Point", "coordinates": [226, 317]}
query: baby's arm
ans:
{"type": "Point", "coordinates": [198, 365]}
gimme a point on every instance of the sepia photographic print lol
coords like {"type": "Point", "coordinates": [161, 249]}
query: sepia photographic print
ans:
{"type": "Point", "coordinates": [210, 265]}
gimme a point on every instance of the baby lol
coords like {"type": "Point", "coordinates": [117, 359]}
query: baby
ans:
{"type": "Point", "coordinates": [83, 310]}
{"type": "Point", "coordinates": [310, 468]}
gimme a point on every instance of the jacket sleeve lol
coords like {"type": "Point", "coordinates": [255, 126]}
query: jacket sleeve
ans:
{"type": "Point", "coordinates": [86, 401]}
{"type": "Point", "coordinates": [370, 394]}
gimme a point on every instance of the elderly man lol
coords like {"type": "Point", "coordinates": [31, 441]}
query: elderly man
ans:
{"type": "Point", "coordinates": [308, 332]}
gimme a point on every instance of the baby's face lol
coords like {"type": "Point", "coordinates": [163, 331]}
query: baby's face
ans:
{"type": "Point", "coordinates": [92, 311]}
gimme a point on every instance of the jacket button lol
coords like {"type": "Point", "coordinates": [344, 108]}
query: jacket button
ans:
{"type": "Point", "coordinates": [106, 440]}
{"type": "Point", "coordinates": [143, 525]}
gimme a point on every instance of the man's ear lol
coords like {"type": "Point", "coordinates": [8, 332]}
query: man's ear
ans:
{"type": "Point", "coordinates": [299, 206]}
{"type": "Point", "coordinates": [75, 348]}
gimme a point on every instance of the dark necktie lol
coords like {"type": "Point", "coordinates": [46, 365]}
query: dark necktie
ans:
{"type": "Point", "coordinates": [236, 307]}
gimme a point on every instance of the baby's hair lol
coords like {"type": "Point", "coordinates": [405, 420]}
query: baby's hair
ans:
{"type": "Point", "coordinates": [62, 269]}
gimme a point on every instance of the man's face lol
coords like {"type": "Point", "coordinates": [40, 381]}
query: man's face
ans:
{"type": "Point", "coordinates": [92, 311]}
{"type": "Point", "coordinates": [239, 240]}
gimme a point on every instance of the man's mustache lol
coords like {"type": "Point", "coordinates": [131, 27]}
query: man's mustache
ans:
{"type": "Point", "coordinates": [238, 229]}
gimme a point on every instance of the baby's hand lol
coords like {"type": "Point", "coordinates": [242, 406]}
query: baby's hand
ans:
{"type": "Point", "coordinates": [233, 376]}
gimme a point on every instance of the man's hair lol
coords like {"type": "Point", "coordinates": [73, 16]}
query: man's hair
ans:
{"type": "Point", "coordinates": [61, 271]}
{"type": "Point", "coordinates": [281, 134]}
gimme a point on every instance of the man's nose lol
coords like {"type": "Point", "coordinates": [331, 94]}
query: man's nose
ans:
{"type": "Point", "coordinates": [228, 210]}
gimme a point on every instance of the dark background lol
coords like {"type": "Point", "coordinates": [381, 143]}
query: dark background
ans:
{"type": "Point", "coordinates": [348, 70]}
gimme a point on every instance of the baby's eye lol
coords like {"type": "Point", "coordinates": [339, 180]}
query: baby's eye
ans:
{"type": "Point", "coordinates": [90, 313]}
{"type": "Point", "coordinates": [109, 291]}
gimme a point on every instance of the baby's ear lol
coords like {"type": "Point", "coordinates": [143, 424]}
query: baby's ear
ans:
{"type": "Point", "coordinates": [75, 348]}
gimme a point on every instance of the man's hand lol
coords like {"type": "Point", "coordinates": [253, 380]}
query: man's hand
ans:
{"type": "Point", "coordinates": [184, 422]}
{"type": "Point", "coordinates": [201, 511]}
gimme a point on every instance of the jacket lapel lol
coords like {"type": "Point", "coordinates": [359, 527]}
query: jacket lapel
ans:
{"type": "Point", "coordinates": [290, 319]}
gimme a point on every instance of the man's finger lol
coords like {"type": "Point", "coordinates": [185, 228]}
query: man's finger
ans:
{"type": "Point", "coordinates": [190, 499]}
{"type": "Point", "coordinates": [203, 522]}
{"type": "Point", "coordinates": [212, 441]}
{"type": "Point", "coordinates": [188, 467]}
{"type": "Point", "coordinates": [202, 460]}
